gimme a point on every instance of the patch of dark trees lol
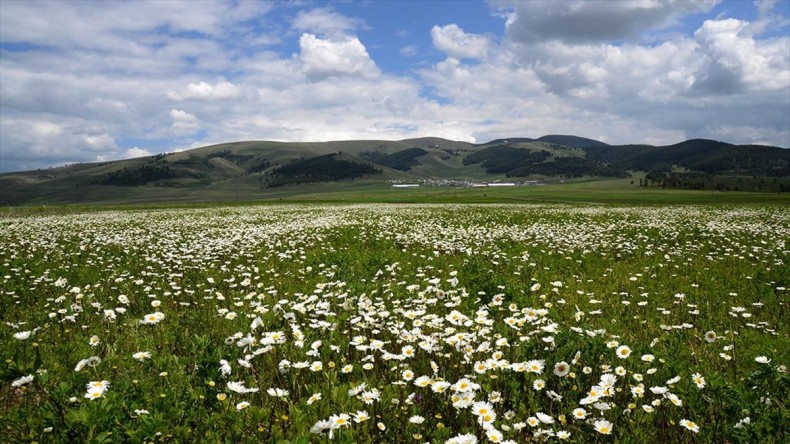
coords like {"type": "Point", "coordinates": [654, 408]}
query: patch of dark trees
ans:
{"type": "Point", "coordinates": [518, 162]}
{"type": "Point", "coordinates": [324, 168]}
{"type": "Point", "coordinates": [403, 160]}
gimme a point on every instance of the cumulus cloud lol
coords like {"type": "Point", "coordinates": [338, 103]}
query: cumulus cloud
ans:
{"type": "Point", "coordinates": [204, 91]}
{"type": "Point", "coordinates": [452, 40]}
{"type": "Point", "coordinates": [324, 58]}
{"type": "Point", "coordinates": [184, 122]}
{"type": "Point", "coordinates": [733, 60]}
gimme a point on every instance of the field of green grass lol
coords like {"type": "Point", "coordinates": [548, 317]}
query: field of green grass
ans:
{"type": "Point", "coordinates": [396, 323]}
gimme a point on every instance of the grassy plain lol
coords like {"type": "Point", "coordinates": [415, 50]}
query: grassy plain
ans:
{"type": "Point", "coordinates": [296, 323]}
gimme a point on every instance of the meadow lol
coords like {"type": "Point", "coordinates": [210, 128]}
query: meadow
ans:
{"type": "Point", "coordinates": [396, 323]}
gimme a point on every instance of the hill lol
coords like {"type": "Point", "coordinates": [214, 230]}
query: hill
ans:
{"type": "Point", "coordinates": [266, 169]}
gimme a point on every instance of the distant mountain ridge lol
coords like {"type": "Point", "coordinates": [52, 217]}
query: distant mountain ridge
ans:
{"type": "Point", "coordinates": [228, 169]}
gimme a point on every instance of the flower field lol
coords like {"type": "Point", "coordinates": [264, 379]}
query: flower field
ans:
{"type": "Point", "coordinates": [396, 324]}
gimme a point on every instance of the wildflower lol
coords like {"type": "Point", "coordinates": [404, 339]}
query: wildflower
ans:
{"type": "Point", "coordinates": [623, 351]}
{"type": "Point", "coordinates": [698, 380]}
{"type": "Point", "coordinates": [579, 413]}
{"type": "Point", "coordinates": [647, 358]}
{"type": "Point", "coordinates": [142, 356]}
{"type": "Point", "coordinates": [407, 375]}
{"type": "Point", "coordinates": [422, 381]}
{"type": "Point", "coordinates": [535, 366]}
{"type": "Point", "coordinates": [544, 418]}
{"type": "Point", "coordinates": [539, 384]}
{"type": "Point", "coordinates": [337, 421]}
{"type": "Point", "coordinates": [561, 369]}
{"type": "Point", "coordinates": [494, 435]}
{"type": "Point", "coordinates": [361, 416]}
{"type": "Point", "coordinates": [277, 392]}
{"type": "Point", "coordinates": [348, 368]}
{"type": "Point", "coordinates": [742, 422]}
{"type": "Point", "coordinates": [141, 412]}
{"type": "Point", "coordinates": [94, 341]}
{"type": "Point", "coordinates": [562, 434]}
{"type": "Point", "coordinates": [224, 367]}
{"type": "Point", "coordinates": [239, 387]}
{"type": "Point", "coordinates": [762, 360]}
{"type": "Point", "coordinates": [481, 408]}
{"type": "Point", "coordinates": [93, 361]}
{"type": "Point", "coordinates": [22, 335]}
{"type": "Point", "coordinates": [603, 426]}
{"type": "Point", "coordinates": [417, 419]}
{"type": "Point", "coordinates": [710, 336]}
{"type": "Point", "coordinates": [153, 318]}
{"type": "Point", "coordinates": [94, 393]}
{"type": "Point", "coordinates": [22, 381]}
{"type": "Point", "coordinates": [689, 425]}
{"type": "Point", "coordinates": [242, 405]}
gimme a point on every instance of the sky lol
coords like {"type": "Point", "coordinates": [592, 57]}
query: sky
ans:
{"type": "Point", "coordinates": [97, 81]}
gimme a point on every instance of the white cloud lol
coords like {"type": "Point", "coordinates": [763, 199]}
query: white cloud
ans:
{"type": "Point", "coordinates": [324, 58]}
{"type": "Point", "coordinates": [204, 91]}
{"type": "Point", "coordinates": [131, 153]}
{"type": "Point", "coordinates": [325, 21]}
{"type": "Point", "coordinates": [452, 40]}
{"type": "Point", "coordinates": [184, 122]}
{"type": "Point", "coordinates": [733, 60]}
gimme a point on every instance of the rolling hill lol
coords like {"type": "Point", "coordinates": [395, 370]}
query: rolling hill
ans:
{"type": "Point", "coordinates": [265, 169]}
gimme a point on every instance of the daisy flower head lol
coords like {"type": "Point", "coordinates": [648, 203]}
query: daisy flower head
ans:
{"type": "Point", "coordinates": [535, 366]}
{"type": "Point", "coordinates": [539, 384]}
{"type": "Point", "coordinates": [762, 360]}
{"type": "Point", "coordinates": [623, 351]}
{"type": "Point", "coordinates": [94, 341]}
{"type": "Point", "coordinates": [689, 425]}
{"type": "Point", "coordinates": [698, 380]}
{"type": "Point", "coordinates": [313, 398]}
{"type": "Point", "coordinates": [710, 336]}
{"type": "Point", "coordinates": [152, 318]}
{"type": "Point", "coordinates": [579, 413]}
{"type": "Point", "coordinates": [277, 392]}
{"type": "Point", "coordinates": [603, 427]}
{"type": "Point", "coordinates": [561, 369]}
{"type": "Point", "coordinates": [361, 416]}
{"type": "Point", "coordinates": [417, 419]}
{"type": "Point", "coordinates": [142, 356]}
{"type": "Point", "coordinates": [494, 435]}
{"type": "Point", "coordinates": [242, 405]}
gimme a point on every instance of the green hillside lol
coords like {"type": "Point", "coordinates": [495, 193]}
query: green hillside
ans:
{"type": "Point", "coordinates": [265, 169]}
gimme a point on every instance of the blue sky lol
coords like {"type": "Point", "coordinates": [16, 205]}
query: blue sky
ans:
{"type": "Point", "coordinates": [96, 81]}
